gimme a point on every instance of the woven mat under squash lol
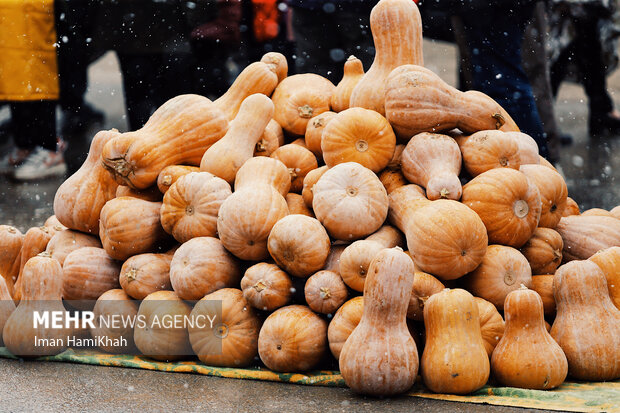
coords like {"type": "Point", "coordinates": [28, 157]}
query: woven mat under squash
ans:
{"type": "Point", "coordinates": [577, 397]}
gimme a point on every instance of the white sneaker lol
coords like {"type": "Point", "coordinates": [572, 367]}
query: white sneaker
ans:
{"type": "Point", "coordinates": [41, 163]}
{"type": "Point", "coordinates": [12, 160]}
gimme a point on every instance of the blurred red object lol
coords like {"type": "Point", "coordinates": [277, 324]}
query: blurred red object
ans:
{"type": "Point", "coordinates": [266, 19]}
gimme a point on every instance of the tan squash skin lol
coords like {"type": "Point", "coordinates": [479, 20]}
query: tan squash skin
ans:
{"type": "Point", "coordinates": [417, 100]}
{"type": "Point", "coordinates": [191, 205]}
{"type": "Point", "coordinates": [332, 263]}
{"type": "Point", "coordinates": [78, 201]}
{"type": "Point", "coordinates": [262, 170]}
{"type": "Point", "coordinates": [528, 148]}
{"type": "Point", "coordinates": [279, 61]}
{"type": "Point", "coordinates": [170, 174]}
{"type": "Point", "coordinates": [344, 322]}
{"type": "Point", "coordinates": [42, 285]}
{"type": "Point", "coordinates": [271, 139]}
{"type": "Point", "coordinates": [508, 204]}
{"type": "Point", "coordinates": [115, 303]}
{"type": "Point", "coordinates": [389, 236]}
{"type": "Point", "coordinates": [396, 28]}
{"type": "Point", "coordinates": [433, 161]}
{"type": "Point", "coordinates": [543, 285]}
{"type": "Point", "coordinates": [615, 212]}
{"type": "Point", "coordinates": [325, 292]}
{"type": "Point", "coordinates": [296, 205]}
{"type": "Point", "coordinates": [266, 287]}
{"type": "Point", "coordinates": [201, 266]}
{"type": "Point", "coordinates": [389, 363]}
{"type": "Point", "coordinates": [503, 269]}
{"type": "Point", "coordinates": [179, 132]}
{"type": "Point", "coordinates": [353, 72]}
{"type": "Point", "coordinates": [553, 193]}
{"type": "Point", "coordinates": [144, 274]}
{"type": "Point", "coordinates": [314, 132]}
{"type": "Point", "coordinates": [597, 212]}
{"type": "Point", "coordinates": [489, 149]}
{"type": "Point", "coordinates": [311, 178]}
{"type": "Point", "coordinates": [87, 273]}
{"type": "Point", "coordinates": [292, 339]}
{"type": "Point", "coordinates": [358, 135]}
{"type": "Point", "coordinates": [424, 285]}
{"type": "Point", "coordinates": [35, 242]}
{"type": "Point", "coordinates": [66, 241]}
{"type": "Point", "coordinates": [608, 261]}
{"type": "Point", "coordinates": [392, 180]}
{"type": "Point", "coordinates": [233, 341]}
{"type": "Point", "coordinates": [53, 222]}
{"type": "Point", "coordinates": [7, 306]}
{"type": "Point", "coordinates": [258, 77]}
{"type": "Point", "coordinates": [587, 324]}
{"type": "Point", "coordinates": [151, 194]}
{"type": "Point", "coordinates": [585, 236]}
{"type": "Point", "coordinates": [164, 344]}
{"type": "Point", "coordinates": [299, 245]}
{"type": "Point", "coordinates": [224, 158]}
{"type": "Point", "coordinates": [350, 201]}
{"type": "Point", "coordinates": [491, 324]}
{"type": "Point", "coordinates": [544, 251]}
{"type": "Point", "coordinates": [131, 226]}
{"type": "Point", "coordinates": [299, 161]}
{"type": "Point", "coordinates": [571, 207]}
{"type": "Point", "coordinates": [11, 240]}
{"type": "Point", "coordinates": [527, 356]}
{"type": "Point", "coordinates": [403, 201]}
{"type": "Point", "coordinates": [454, 360]}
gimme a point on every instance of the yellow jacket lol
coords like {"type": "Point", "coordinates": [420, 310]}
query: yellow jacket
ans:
{"type": "Point", "coordinates": [28, 69]}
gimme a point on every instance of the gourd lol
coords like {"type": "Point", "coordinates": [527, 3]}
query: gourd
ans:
{"type": "Point", "coordinates": [154, 338]}
{"type": "Point", "coordinates": [11, 240]}
{"type": "Point", "coordinates": [325, 292]}
{"type": "Point", "coordinates": [585, 236]}
{"type": "Point", "coordinates": [247, 216]}
{"type": "Point", "coordinates": [79, 199]}
{"type": "Point", "coordinates": [424, 285]}
{"type": "Point", "coordinates": [358, 135]}
{"type": "Point", "coordinates": [279, 61]}
{"type": "Point", "coordinates": [350, 201]}
{"type": "Point", "coordinates": [417, 100]}
{"type": "Point", "coordinates": [332, 263]}
{"type": "Point", "coordinates": [224, 158]}
{"type": "Point", "coordinates": [258, 77]}
{"type": "Point", "coordinates": [571, 207]}
{"type": "Point", "coordinates": [353, 73]}
{"type": "Point", "coordinates": [292, 339]}
{"type": "Point", "coordinates": [296, 205]}
{"type": "Point", "coordinates": [544, 251]}
{"type": "Point", "coordinates": [527, 356]}
{"type": "Point", "coordinates": [312, 178]}
{"type": "Point", "coordinates": [491, 324]}
{"type": "Point", "coordinates": [170, 174]}
{"type": "Point", "coordinates": [553, 193]}
{"type": "Point", "coordinates": [299, 245]}
{"type": "Point", "coordinates": [597, 212]}
{"type": "Point", "coordinates": [344, 322]}
{"type": "Point", "coordinates": [53, 222]}
{"type": "Point", "coordinates": [232, 341]}
{"type": "Point", "coordinates": [528, 148]}
{"type": "Point", "coordinates": [396, 28]}
{"type": "Point", "coordinates": [433, 161]}
{"type": "Point", "coordinates": [403, 201]}
{"type": "Point", "coordinates": [144, 274]}
{"type": "Point", "coordinates": [543, 285]}
{"type": "Point", "coordinates": [41, 292]}
{"type": "Point", "coordinates": [608, 261]}
{"type": "Point", "coordinates": [389, 236]}
{"type": "Point", "coordinates": [266, 287]}
{"type": "Point", "coordinates": [508, 204]}
{"type": "Point", "coordinates": [35, 242]}
{"type": "Point", "coordinates": [191, 205]}
{"type": "Point", "coordinates": [489, 149]}
{"type": "Point", "coordinates": [389, 363]}
{"type": "Point", "coordinates": [151, 193]}
{"type": "Point", "coordinates": [7, 306]}
{"type": "Point", "coordinates": [179, 132]}
{"type": "Point", "coordinates": [110, 305]}
{"type": "Point", "coordinates": [299, 161]}
{"type": "Point", "coordinates": [66, 241]}
{"type": "Point", "coordinates": [272, 139]}
{"type": "Point", "coordinates": [454, 359]}
{"type": "Point", "coordinates": [503, 269]}
{"type": "Point", "coordinates": [587, 324]}
{"type": "Point", "coordinates": [314, 132]}
{"type": "Point", "coordinates": [86, 274]}
{"type": "Point", "coordinates": [392, 177]}
{"type": "Point", "coordinates": [201, 266]}
{"type": "Point", "coordinates": [615, 211]}
{"type": "Point", "coordinates": [131, 226]}
{"type": "Point", "coordinates": [298, 98]}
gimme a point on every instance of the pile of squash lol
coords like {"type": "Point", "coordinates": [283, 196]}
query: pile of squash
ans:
{"type": "Point", "coordinates": [392, 220]}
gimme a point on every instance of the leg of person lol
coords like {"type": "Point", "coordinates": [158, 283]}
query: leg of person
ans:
{"type": "Point", "coordinates": [139, 76]}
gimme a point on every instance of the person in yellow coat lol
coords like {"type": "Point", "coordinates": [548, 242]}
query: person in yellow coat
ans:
{"type": "Point", "coordinates": [29, 84]}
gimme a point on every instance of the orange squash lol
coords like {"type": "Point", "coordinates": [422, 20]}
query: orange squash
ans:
{"type": "Point", "coordinates": [388, 236]}
{"type": "Point", "coordinates": [314, 132]}
{"type": "Point", "coordinates": [508, 204]}
{"type": "Point", "coordinates": [585, 236]}
{"type": "Point", "coordinates": [299, 98]}
{"type": "Point", "coordinates": [266, 287]}
{"type": "Point", "coordinates": [170, 174]}
{"type": "Point", "coordinates": [571, 208]}
{"type": "Point", "coordinates": [488, 150]}
{"type": "Point", "coordinates": [201, 266]}
{"type": "Point", "coordinates": [403, 201]}
{"type": "Point", "coordinates": [350, 201]}
{"type": "Point", "coordinates": [179, 132]}
{"type": "Point", "coordinates": [353, 73]}
{"type": "Point", "coordinates": [11, 240]}
{"type": "Point", "coordinates": [7, 306]}
{"type": "Point", "coordinates": [86, 274]}
{"type": "Point", "coordinates": [296, 205]}
{"type": "Point", "coordinates": [110, 305]}
{"type": "Point", "coordinates": [311, 178]}
{"type": "Point", "coordinates": [503, 269]}
{"type": "Point", "coordinates": [299, 161]}
{"type": "Point", "coordinates": [144, 274]}
{"type": "Point", "coordinates": [608, 261]}
{"type": "Point", "coordinates": [233, 339]}
{"type": "Point", "coordinates": [433, 161]}
{"type": "Point", "coordinates": [35, 242]}
{"type": "Point", "coordinates": [424, 285]}
{"type": "Point", "coordinates": [272, 139]}
{"type": "Point", "coordinates": [78, 200]}
{"type": "Point", "coordinates": [455, 359]}
{"type": "Point", "coordinates": [389, 363]}
{"type": "Point", "coordinates": [543, 285]}
{"type": "Point", "coordinates": [553, 193]}
{"type": "Point", "coordinates": [615, 212]}
{"type": "Point", "coordinates": [292, 339]}
{"type": "Point", "coordinates": [526, 338]}
{"type": "Point", "coordinates": [66, 241]}
{"type": "Point", "coordinates": [587, 324]}
{"type": "Point", "coordinates": [396, 28]}
{"type": "Point", "coordinates": [544, 251]}
{"type": "Point", "coordinates": [151, 194]}
{"type": "Point", "coordinates": [263, 171]}
{"type": "Point", "coordinates": [344, 322]}
{"type": "Point", "coordinates": [392, 180]}
{"type": "Point", "coordinates": [332, 263]}
{"type": "Point", "coordinates": [54, 223]}
{"type": "Point", "coordinates": [528, 148]}
{"type": "Point", "coordinates": [325, 292]}
{"type": "Point", "coordinates": [491, 324]}
{"type": "Point", "coordinates": [191, 205]}
{"type": "Point", "coordinates": [279, 61]}
{"type": "Point", "coordinates": [597, 212]}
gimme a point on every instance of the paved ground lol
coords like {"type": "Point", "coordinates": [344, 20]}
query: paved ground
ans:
{"type": "Point", "coordinates": [591, 170]}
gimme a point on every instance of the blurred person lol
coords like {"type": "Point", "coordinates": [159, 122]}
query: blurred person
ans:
{"type": "Point", "coordinates": [29, 84]}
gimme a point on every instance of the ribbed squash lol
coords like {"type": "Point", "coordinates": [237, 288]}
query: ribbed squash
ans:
{"type": "Point", "coordinates": [311, 178]}
{"type": "Point", "coordinates": [272, 139]}
{"type": "Point", "coordinates": [170, 174]}
{"type": "Point", "coordinates": [11, 240]}
{"type": "Point", "coordinates": [110, 305]}
{"type": "Point", "coordinates": [299, 161]}
{"type": "Point", "coordinates": [585, 236]}
{"type": "Point", "coordinates": [325, 292]}
{"type": "Point", "coordinates": [553, 193]}
{"type": "Point", "coordinates": [571, 208]}
{"type": "Point", "coordinates": [608, 261]}
{"type": "Point", "coordinates": [488, 150]}
{"type": "Point", "coordinates": [353, 72]}
{"type": "Point", "coordinates": [314, 132]}
{"type": "Point", "coordinates": [491, 324]}
{"type": "Point", "coordinates": [528, 148]}
{"type": "Point", "coordinates": [424, 285]}
{"type": "Point", "coordinates": [266, 287]}
{"type": "Point", "coordinates": [66, 241]}
{"type": "Point", "coordinates": [87, 273]}
{"type": "Point", "coordinates": [344, 322]}
{"type": "Point", "coordinates": [544, 251]}
{"type": "Point", "coordinates": [543, 285]}
{"type": "Point", "coordinates": [152, 194]}
{"type": "Point", "coordinates": [144, 274]}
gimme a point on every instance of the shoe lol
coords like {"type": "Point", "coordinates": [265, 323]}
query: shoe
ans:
{"type": "Point", "coordinates": [79, 120]}
{"type": "Point", "coordinates": [41, 163]}
{"type": "Point", "coordinates": [12, 160]}
{"type": "Point", "coordinates": [604, 125]}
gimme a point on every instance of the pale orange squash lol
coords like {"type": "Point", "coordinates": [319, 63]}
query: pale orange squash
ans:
{"type": "Point", "coordinates": [392, 180]}
{"type": "Point", "coordinates": [608, 261]}
{"type": "Point", "coordinates": [11, 240]}
{"type": "Point", "coordinates": [279, 61]}
{"type": "Point", "coordinates": [424, 285]}
{"type": "Point", "coordinates": [170, 174]}
{"type": "Point", "coordinates": [110, 305]}
{"type": "Point", "coordinates": [543, 285]}
{"type": "Point", "coordinates": [597, 212]}
{"type": "Point", "coordinates": [528, 148]}
{"type": "Point", "coordinates": [35, 242]}
{"type": "Point", "coordinates": [266, 287]}
{"type": "Point", "coordinates": [86, 274]}
{"type": "Point", "coordinates": [553, 193]}
{"type": "Point", "coordinates": [571, 208]}
{"type": "Point", "coordinates": [7, 306]}
{"type": "Point", "coordinates": [144, 274]}
{"type": "Point", "coordinates": [152, 194]}
{"type": "Point", "coordinates": [585, 236]}
{"type": "Point", "coordinates": [66, 241]}
{"type": "Point", "coordinates": [311, 178]}
{"type": "Point", "coordinates": [314, 132]}
{"type": "Point", "coordinates": [344, 322]}
{"type": "Point", "coordinates": [261, 171]}
{"type": "Point", "coordinates": [272, 139]}
{"type": "Point", "coordinates": [299, 162]}
{"type": "Point", "coordinates": [325, 292]}
{"type": "Point", "coordinates": [388, 236]}
{"type": "Point", "coordinates": [353, 72]}
{"type": "Point", "coordinates": [544, 251]}
{"type": "Point", "coordinates": [53, 222]}
{"type": "Point", "coordinates": [296, 205]}
{"type": "Point", "coordinates": [491, 324]}
{"type": "Point", "coordinates": [615, 212]}
{"type": "Point", "coordinates": [403, 201]}
{"type": "Point", "coordinates": [487, 150]}
{"type": "Point", "coordinates": [332, 263]}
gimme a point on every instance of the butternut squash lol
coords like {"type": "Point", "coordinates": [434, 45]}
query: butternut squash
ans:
{"type": "Point", "coordinates": [608, 261]}
{"type": "Point", "coordinates": [344, 322]}
{"type": "Point", "coordinates": [489, 149]}
{"type": "Point", "coordinates": [424, 285]}
{"type": "Point", "coordinates": [312, 178]}
{"type": "Point", "coordinates": [170, 174]}
{"type": "Point", "coordinates": [66, 241]}
{"type": "Point", "coordinates": [353, 73]}
{"type": "Point", "coordinates": [553, 193]}
{"type": "Point", "coordinates": [491, 324]}
{"type": "Point", "coordinates": [584, 236]}
{"type": "Point", "coordinates": [314, 132]}
{"type": "Point", "coordinates": [144, 274]}
{"type": "Point", "coordinates": [11, 240]}
{"type": "Point", "coordinates": [299, 161]}
{"type": "Point", "coordinates": [544, 251]}
{"type": "Point", "coordinates": [109, 306]}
